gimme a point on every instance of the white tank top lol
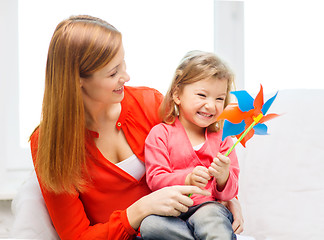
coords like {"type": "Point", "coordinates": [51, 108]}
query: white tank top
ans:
{"type": "Point", "coordinates": [133, 166]}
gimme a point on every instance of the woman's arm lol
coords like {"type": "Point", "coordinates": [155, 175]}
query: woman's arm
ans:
{"type": "Point", "coordinates": [168, 201]}
{"type": "Point", "coordinates": [69, 217]}
{"type": "Point", "coordinates": [235, 208]}
{"type": "Point", "coordinates": [71, 221]}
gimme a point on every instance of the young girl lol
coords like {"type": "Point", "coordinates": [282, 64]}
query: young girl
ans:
{"type": "Point", "coordinates": [187, 150]}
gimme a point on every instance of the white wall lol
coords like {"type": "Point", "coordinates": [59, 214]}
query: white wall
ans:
{"type": "Point", "coordinates": [11, 172]}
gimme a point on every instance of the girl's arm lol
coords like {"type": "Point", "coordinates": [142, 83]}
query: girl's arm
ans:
{"type": "Point", "coordinates": [227, 170]}
{"type": "Point", "coordinates": [159, 171]}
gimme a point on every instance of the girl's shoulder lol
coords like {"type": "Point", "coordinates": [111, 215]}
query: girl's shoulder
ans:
{"type": "Point", "coordinates": [160, 128]}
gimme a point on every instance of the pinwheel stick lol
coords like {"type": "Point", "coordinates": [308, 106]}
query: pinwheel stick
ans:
{"type": "Point", "coordinates": [256, 120]}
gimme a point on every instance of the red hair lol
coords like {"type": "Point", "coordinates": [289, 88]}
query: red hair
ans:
{"type": "Point", "coordinates": [79, 46]}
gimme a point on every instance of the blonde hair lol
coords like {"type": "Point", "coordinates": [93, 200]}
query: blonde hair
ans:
{"type": "Point", "coordinates": [79, 46]}
{"type": "Point", "coordinates": [195, 66]}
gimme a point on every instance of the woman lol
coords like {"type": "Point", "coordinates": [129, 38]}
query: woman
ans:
{"type": "Point", "coordinates": [88, 148]}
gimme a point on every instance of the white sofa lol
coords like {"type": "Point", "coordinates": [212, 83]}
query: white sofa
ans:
{"type": "Point", "coordinates": [282, 174]}
{"type": "Point", "coordinates": [281, 180]}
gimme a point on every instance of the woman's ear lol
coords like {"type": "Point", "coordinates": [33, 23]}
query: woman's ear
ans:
{"type": "Point", "coordinates": [81, 82]}
{"type": "Point", "coordinates": [176, 96]}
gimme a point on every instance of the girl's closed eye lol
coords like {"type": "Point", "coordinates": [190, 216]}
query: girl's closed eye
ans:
{"type": "Point", "coordinates": [201, 95]}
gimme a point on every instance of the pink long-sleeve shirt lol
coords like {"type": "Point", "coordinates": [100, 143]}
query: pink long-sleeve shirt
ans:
{"type": "Point", "coordinates": [170, 157]}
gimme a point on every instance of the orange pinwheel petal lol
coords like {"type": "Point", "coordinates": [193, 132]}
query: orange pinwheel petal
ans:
{"type": "Point", "coordinates": [233, 114]}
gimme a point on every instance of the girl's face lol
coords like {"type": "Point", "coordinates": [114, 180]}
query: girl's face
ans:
{"type": "Point", "coordinates": [106, 86]}
{"type": "Point", "coordinates": [201, 102]}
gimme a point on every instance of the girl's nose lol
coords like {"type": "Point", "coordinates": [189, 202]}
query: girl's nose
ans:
{"type": "Point", "coordinates": [210, 105]}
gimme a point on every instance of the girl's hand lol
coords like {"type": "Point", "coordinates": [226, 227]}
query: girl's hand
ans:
{"type": "Point", "coordinates": [235, 208]}
{"type": "Point", "coordinates": [168, 201]}
{"type": "Point", "coordinates": [219, 168]}
{"type": "Point", "coordinates": [198, 177]}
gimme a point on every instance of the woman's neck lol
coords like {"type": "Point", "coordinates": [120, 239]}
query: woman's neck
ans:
{"type": "Point", "coordinates": [100, 116]}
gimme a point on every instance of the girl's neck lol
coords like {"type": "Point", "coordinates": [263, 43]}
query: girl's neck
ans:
{"type": "Point", "coordinates": [195, 134]}
{"type": "Point", "coordinates": [195, 138]}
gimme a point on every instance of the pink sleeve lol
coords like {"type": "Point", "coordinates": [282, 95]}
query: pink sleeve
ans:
{"type": "Point", "coordinates": [159, 172]}
{"type": "Point", "coordinates": [231, 188]}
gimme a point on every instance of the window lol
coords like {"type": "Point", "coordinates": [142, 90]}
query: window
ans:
{"type": "Point", "coordinates": [156, 35]}
{"type": "Point", "coordinates": [283, 45]}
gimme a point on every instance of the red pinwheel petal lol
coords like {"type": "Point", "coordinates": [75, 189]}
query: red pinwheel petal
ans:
{"type": "Point", "coordinates": [248, 121]}
{"type": "Point", "coordinates": [247, 137]}
{"type": "Point", "coordinates": [233, 114]}
{"type": "Point", "coordinates": [258, 101]}
{"type": "Point", "coordinates": [268, 117]}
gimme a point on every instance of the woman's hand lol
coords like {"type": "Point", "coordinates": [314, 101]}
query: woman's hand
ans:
{"type": "Point", "coordinates": [168, 201]}
{"type": "Point", "coordinates": [235, 208]}
{"type": "Point", "coordinates": [198, 177]}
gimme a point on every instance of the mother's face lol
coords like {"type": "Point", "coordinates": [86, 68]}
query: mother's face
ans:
{"type": "Point", "coordinates": [106, 86]}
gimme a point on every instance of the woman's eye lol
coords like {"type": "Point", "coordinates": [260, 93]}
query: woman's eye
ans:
{"type": "Point", "coordinates": [113, 74]}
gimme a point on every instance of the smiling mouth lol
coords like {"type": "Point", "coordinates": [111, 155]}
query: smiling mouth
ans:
{"type": "Point", "coordinates": [207, 115]}
{"type": "Point", "coordinates": [119, 89]}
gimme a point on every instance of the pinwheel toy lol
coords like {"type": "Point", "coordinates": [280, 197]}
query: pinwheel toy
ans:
{"type": "Point", "coordinates": [246, 117]}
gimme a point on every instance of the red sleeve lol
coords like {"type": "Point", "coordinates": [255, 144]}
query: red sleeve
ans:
{"type": "Point", "coordinates": [70, 220]}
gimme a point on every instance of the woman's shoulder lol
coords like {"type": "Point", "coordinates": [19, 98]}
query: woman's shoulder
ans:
{"type": "Point", "coordinates": [142, 101]}
{"type": "Point", "coordinates": [142, 91]}
{"type": "Point", "coordinates": [34, 143]}
{"type": "Point", "coordinates": [34, 136]}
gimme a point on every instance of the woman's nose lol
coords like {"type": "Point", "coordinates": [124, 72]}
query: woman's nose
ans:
{"type": "Point", "coordinates": [125, 77]}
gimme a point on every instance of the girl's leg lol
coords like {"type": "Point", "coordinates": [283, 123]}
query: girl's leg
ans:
{"type": "Point", "coordinates": [168, 228]}
{"type": "Point", "coordinates": [212, 221]}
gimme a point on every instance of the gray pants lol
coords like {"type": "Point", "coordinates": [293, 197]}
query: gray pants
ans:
{"type": "Point", "coordinates": [210, 220]}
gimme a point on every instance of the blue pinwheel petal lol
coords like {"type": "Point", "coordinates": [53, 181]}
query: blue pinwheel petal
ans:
{"type": "Point", "coordinates": [244, 99]}
{"type": "Point", "coordinates": [267, 105]}
{"type": "Point", "coordinates": [260, 129]}
{"type": "Point", "coordinates": [231, 129]}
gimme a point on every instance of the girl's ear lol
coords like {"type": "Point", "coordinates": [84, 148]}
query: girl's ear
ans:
{"type": "Point", "coordinates": [176, 96]}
